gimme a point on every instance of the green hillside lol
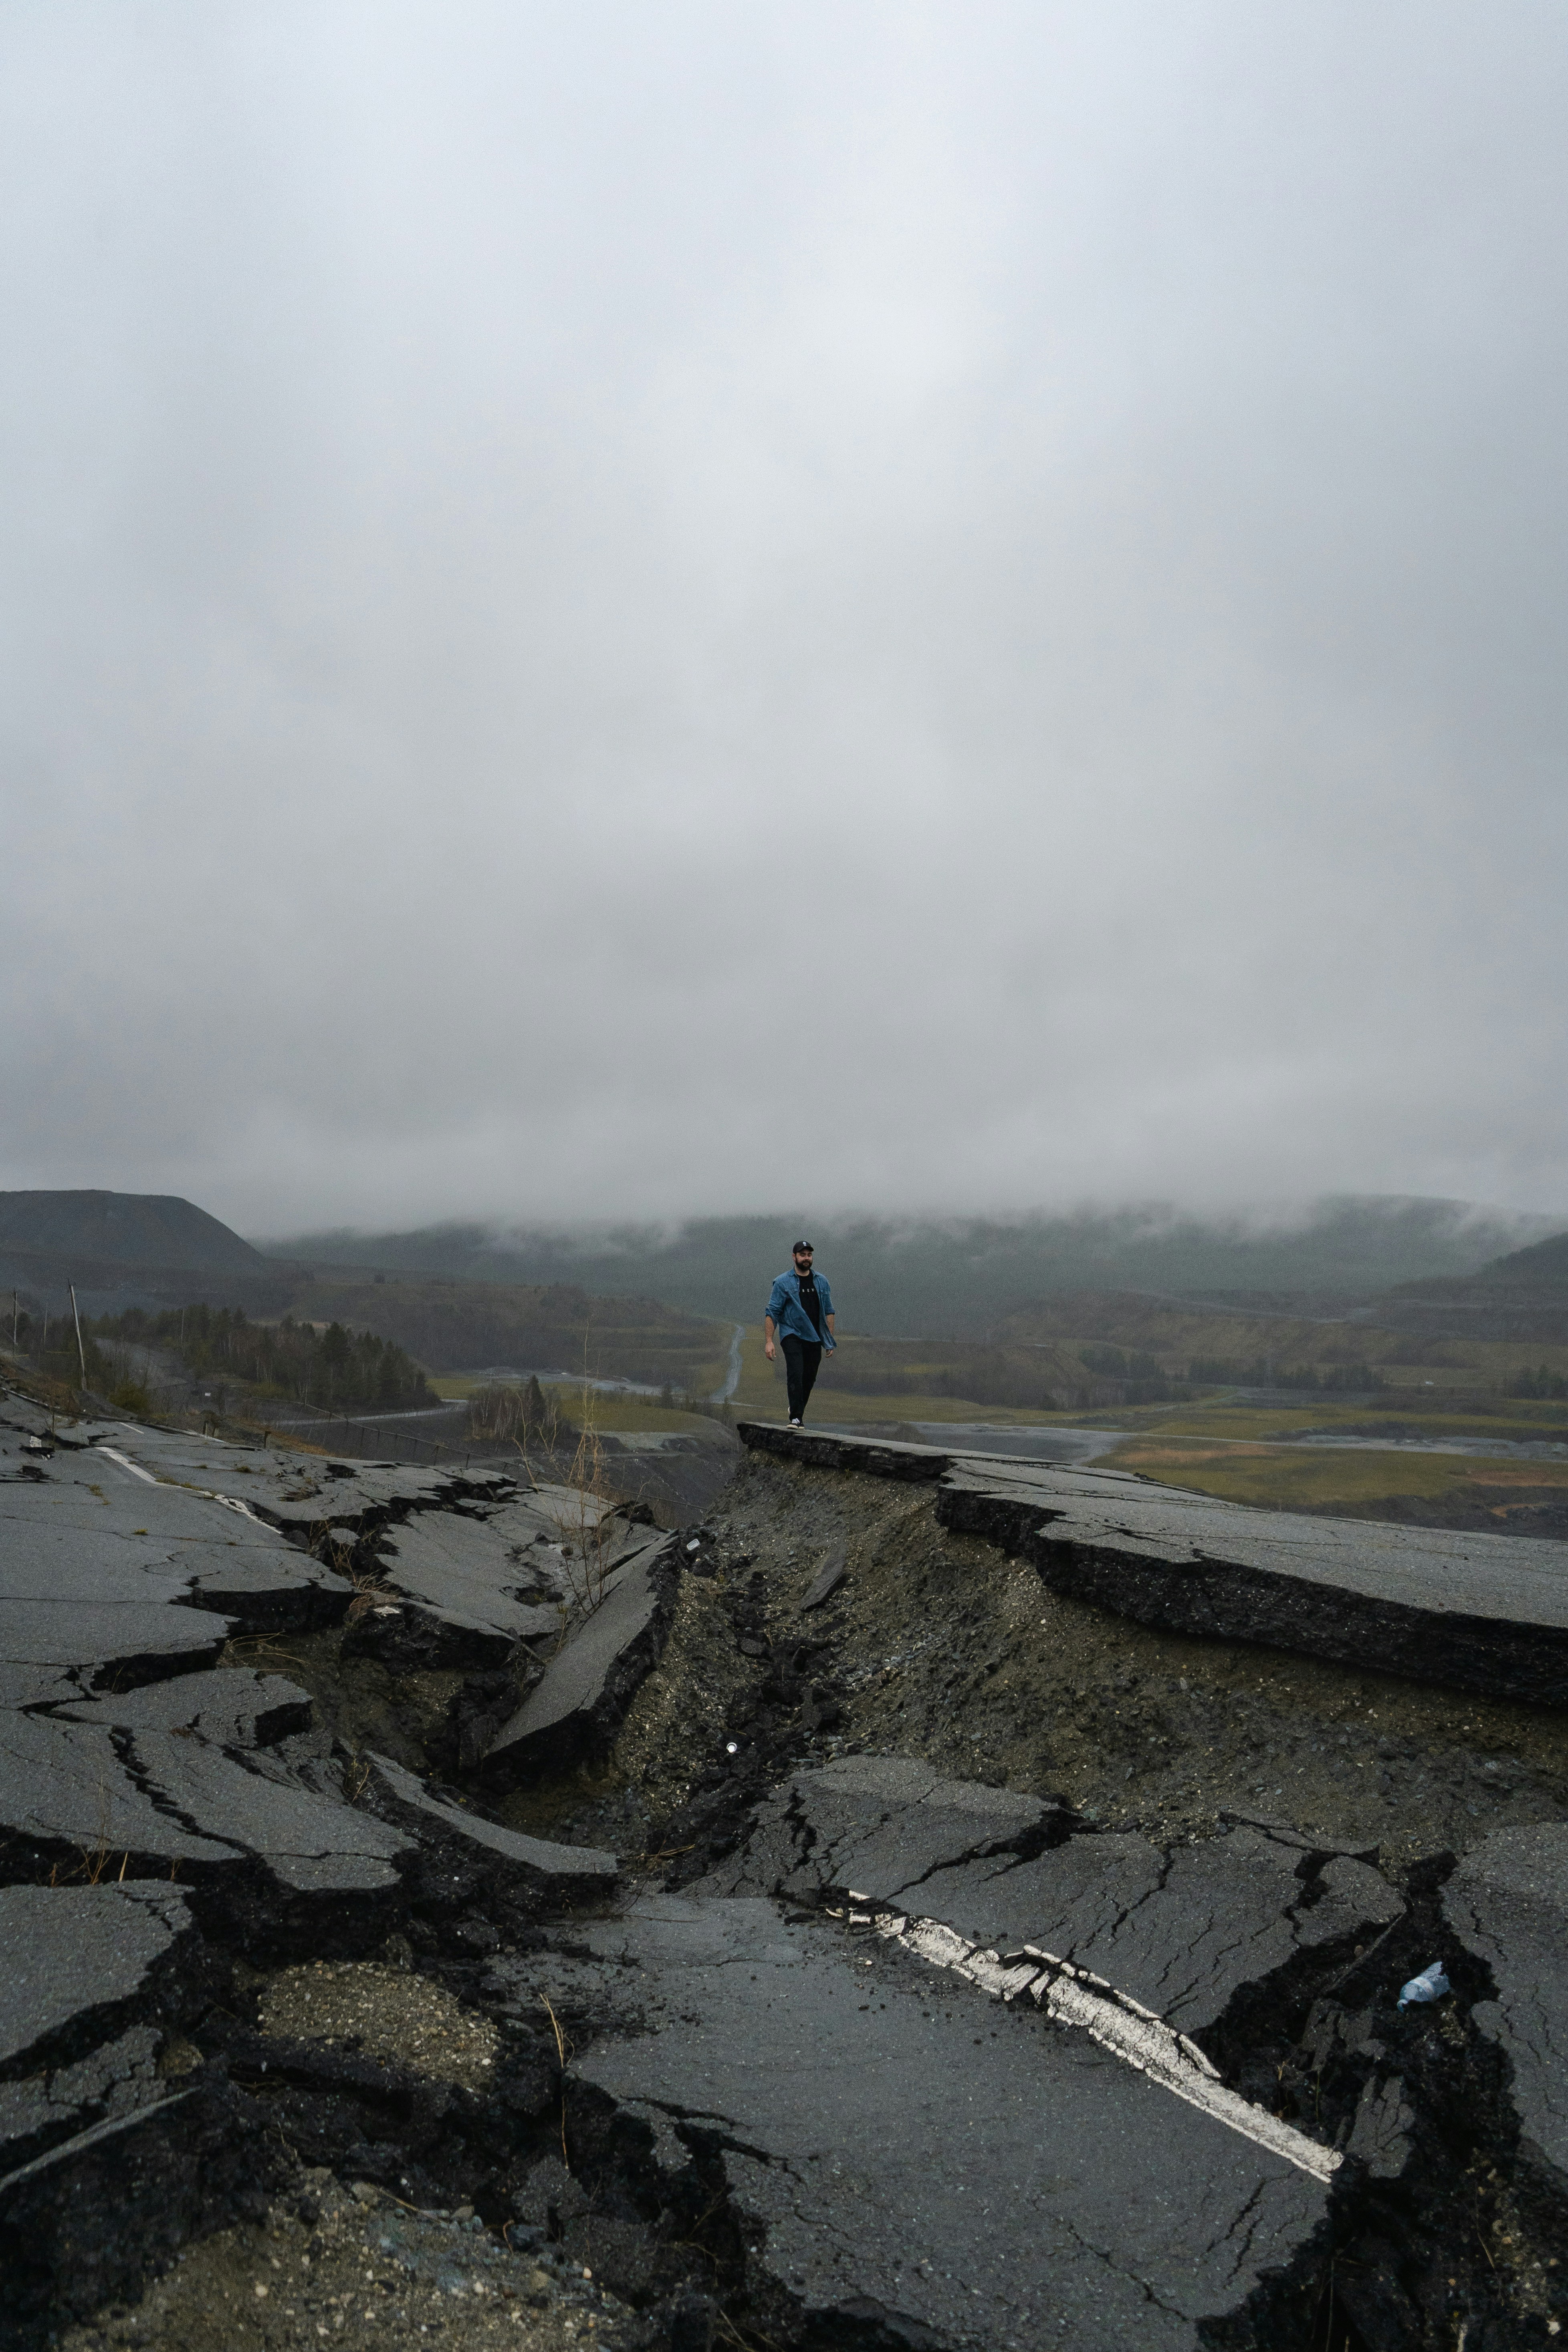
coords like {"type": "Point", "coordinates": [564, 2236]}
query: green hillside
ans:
{"type": "Point", "coordinates": [956, 1278]}
{"type": "Point", "coordinates": [1540, 1272]}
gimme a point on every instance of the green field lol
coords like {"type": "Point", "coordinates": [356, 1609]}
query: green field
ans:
{"type": "Point", "coordinates": [1294, 1478]}
{"type": "Point", "coordinates": [1394, 1416]}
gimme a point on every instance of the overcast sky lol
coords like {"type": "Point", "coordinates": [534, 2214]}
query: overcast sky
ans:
{"type": "Point", "coordinates": [624, 610]}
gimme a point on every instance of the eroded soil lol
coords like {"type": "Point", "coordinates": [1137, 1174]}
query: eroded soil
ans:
{"type": "Point", "coordinates": [936, 1645]}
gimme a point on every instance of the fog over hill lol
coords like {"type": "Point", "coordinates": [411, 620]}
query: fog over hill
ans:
{"type": "Point", "coordinates": [1544, 1266]}
{"type": "Point", "coordinates": [1521, 1296]}
{"type": "Point", "coordinates": [582, 591]}
{"type": "Point", "coordinates": [912, 1277]}
{"type": "Point", "coordinates": [896, 1277]}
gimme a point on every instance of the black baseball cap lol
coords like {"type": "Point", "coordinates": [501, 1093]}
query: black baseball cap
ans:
{"type": "Point", "coordinates": [802, 1246]}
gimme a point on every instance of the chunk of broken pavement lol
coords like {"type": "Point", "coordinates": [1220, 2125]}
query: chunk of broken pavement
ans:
{"type": "Point", "coordinates": [1508, 1904]}
{"type": "Point", "coordinates": [537, 1862]}
{"type": "Point", "coordinates": [578, 1706]}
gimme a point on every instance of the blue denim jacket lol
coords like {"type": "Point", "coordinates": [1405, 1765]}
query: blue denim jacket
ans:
{"type": "Point", "coordinates": [789, 1315]}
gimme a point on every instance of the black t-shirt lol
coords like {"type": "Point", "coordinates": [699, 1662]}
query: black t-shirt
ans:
{"type": "Point", "coordinates": [808, 1299]}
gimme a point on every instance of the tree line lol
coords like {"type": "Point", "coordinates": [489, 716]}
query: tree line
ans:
{"type": "Point", "coordinates": [337, 1370]}
{"type": "Point", "coordinates": [1222, 1371]}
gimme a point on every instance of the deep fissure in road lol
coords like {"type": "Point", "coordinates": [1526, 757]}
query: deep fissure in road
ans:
{"type": "Point", "coordinates": [393, 1996]}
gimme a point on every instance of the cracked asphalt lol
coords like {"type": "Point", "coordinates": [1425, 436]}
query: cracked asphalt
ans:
{"type": "Point", "coordinates": [1266, 1836]}
{"type": "Point", "coordinates": [985, 1971]}
{"type": "Point", "coordinates": [898, 2145]}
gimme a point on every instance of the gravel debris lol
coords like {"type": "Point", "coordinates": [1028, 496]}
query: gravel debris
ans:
{"type": "Point", "coordinates": [387, 2012]}
{"type": "Point", "coordinates": [353, 2266]}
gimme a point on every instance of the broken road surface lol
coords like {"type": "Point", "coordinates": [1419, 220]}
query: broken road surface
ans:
{"type": "Point", "coordinates": [912, 2124]}
{"type": "Point", "coordinates": [865, 2054]}
{"type": "Point", "coordinates": [1480, 1612]}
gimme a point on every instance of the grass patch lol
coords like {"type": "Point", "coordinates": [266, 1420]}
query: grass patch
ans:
{"type": "Point", "coordinates": [1176, 1335]}
{"type": "Point", "coordinates": [629, 1416]}
{"type": "Point", "coordinates": [1386, 1417]}
{"type": "Point", "coordinates": [1291, 1478]}
{"type": "Point", "coordinates": [831, 1404]}
{"type": "Point", "coordinates": [761, 1392]}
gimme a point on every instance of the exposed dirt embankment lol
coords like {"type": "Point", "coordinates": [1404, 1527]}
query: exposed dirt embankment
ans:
{"type": "Point", "coordinates": [937, 1645]}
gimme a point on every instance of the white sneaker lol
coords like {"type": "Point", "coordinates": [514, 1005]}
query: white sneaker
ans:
{"type": "Point", "coordinates": [795, 1424]}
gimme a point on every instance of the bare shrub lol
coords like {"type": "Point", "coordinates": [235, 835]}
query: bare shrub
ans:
{"type": "Point", "coordinates": [586, 1523]}
{"type": "Point", "coordinates": [588, 1526]}
{"type": "Point", "coordinates": [517, 1412]}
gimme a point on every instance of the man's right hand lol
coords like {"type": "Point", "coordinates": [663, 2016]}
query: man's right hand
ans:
{"type": "Point", "coordinates": [768, 1350]}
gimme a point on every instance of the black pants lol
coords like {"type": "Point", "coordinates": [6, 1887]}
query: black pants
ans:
{"type": "Point", "coordinates": [802, 1361]}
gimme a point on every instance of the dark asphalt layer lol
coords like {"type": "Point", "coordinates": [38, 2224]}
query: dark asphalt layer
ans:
{"type": "Point", "coordinates": [569, 1870]}
{"type": "Point", "coordinates": [305, 1491]}
{"type": "Point", "coordinates": [579, 1703]}
{"type": "Point", "coordinates": [894, 2141]}
{"type": "Point", "coordinates": [1438, 1568]}
{"type": "Point", "coordinates": [456, 1568]}
{"type": "Point", "coordinates": [1180, 1932]}
{"type": "Point", "coordinates": [1508, 1902]}
{"type": "Point", "coordinates": [65, 1950]}
{"type": "Point", "coordinates": [113, 1587]}
{"type": "Point", "coordinates": [900, 2143]}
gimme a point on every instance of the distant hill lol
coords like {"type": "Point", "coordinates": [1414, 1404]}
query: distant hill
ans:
{"type": "Point", "coordinates": [1541, 1268]}
{"type": "Point", "coordinates": [122, 1229]}
{"type": "Point", "coordinates": [127, 1249]}
{"type": "Point", "coordinates": [1521, 1296]}
{"type": "Point", "coordinates": [958, 1278]}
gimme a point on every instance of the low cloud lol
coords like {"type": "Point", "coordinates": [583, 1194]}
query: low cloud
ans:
{"type": "Point", "coordinates": [620, 615]}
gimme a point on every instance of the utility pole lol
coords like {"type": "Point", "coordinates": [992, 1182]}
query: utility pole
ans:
{"type": "Point", "coordinates": [81, 1351]}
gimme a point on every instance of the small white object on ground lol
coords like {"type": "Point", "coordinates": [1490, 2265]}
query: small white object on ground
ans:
{"type": "Point", "coordinates": [1430, 1985]}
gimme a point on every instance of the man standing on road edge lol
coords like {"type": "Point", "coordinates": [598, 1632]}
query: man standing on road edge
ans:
{"type": "Point", "coordinates": [800, 1306]}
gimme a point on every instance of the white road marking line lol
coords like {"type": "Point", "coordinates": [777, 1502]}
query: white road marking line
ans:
{"type": "Point", "coordinates": [1113, 2019]}
{"type": "Point", "coordinates": [126, 1463]}
{"type": "Point", "coordinates": [229, 1502]}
